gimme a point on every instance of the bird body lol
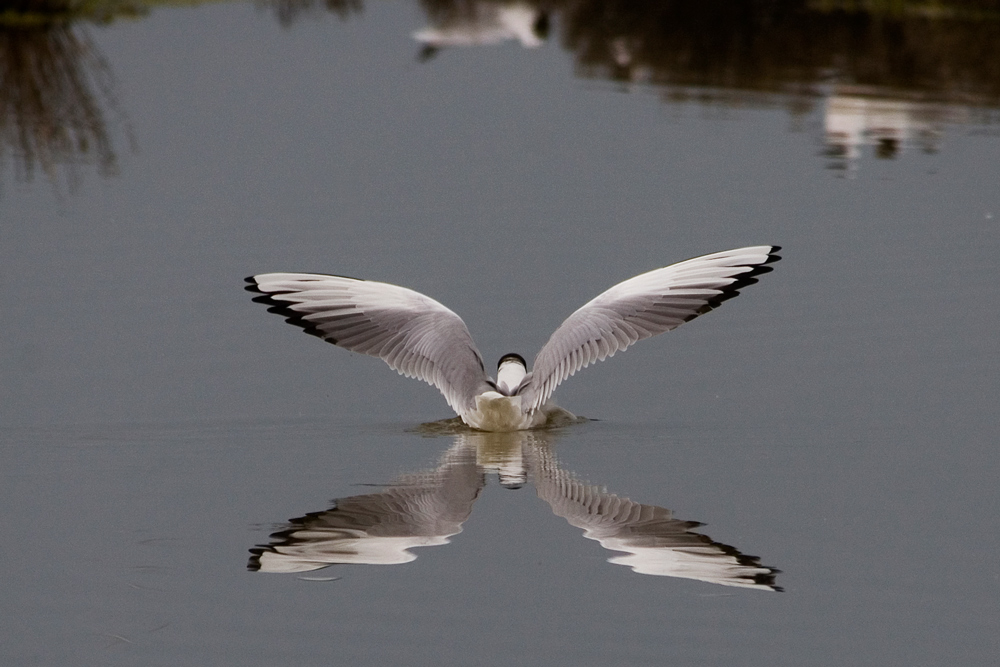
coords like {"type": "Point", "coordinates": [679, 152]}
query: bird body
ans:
{"type": "Point", "coordinates": [419, 337]}
{"type": "Point", "coordinates": [496, 412]}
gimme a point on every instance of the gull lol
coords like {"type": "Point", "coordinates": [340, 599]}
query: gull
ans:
{"type": "Point", "coordinates": [419, 337]}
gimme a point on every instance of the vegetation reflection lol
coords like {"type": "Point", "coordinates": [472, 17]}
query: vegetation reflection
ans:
{"type": "Point", "coordinates": [945, 49]}
{"type": "Point", "coordinates": [891, 73]}
{"type": "Point", "coordinates": [55, 92]}
{"type": "Point", "coordinates": [426, 508]}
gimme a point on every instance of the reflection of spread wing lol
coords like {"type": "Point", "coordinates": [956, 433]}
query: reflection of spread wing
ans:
{"type": "Point", "coordinates": [655, 542]}
{"type": "Point", "coordinates": [419, 509]}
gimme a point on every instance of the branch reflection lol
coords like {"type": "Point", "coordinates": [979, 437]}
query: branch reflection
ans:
{"type": "Point", "coordinates": [426, 508]}
{"type": "Point", "coordinates": [55, 89]}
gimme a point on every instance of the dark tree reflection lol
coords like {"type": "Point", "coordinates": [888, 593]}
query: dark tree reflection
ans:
{"type": "Point", "coordinates": [891, 71]}
{"type": "Point", "coordinates": [287, 11]}
{"type": "Point", "coordinates": [943, 49]}
{"type": "Point", "coordinates": [55, 92]}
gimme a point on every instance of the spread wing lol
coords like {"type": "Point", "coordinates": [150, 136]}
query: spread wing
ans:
{"type": "Point", "coordinates": [414, 334]}
{"type": "Point", "coordinates": [638, 308]}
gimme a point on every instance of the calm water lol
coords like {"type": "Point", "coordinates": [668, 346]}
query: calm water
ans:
{"type": "Point", "coordinates": [834, 428]}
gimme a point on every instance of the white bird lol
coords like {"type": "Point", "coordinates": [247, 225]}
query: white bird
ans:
{"type": "Point", "coordinates": [418, 337]}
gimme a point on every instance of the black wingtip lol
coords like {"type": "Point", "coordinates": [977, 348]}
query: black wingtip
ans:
{"type": "Point", "coordinates": [254, 562]}
{"type": "Point", "coordinates": [742, 280]}
{"type": "Point", "coordinates": [282, 309]}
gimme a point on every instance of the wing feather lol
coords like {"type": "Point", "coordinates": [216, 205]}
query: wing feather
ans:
{"type": "Point", "coordinates": [644, 306]}
{"type": "Point", "coordinates": [414, 334]}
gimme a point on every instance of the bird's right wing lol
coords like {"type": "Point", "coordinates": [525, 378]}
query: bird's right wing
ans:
{"type": "Point", "coordinates": [640, 307]}
{"type": "Point", "coordinates": [413, 333]}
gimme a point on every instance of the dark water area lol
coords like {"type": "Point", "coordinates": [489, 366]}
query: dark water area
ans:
{"type": "Point", "coordinates": [186, 479]}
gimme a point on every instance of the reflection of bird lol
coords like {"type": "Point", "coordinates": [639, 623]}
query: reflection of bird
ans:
{"type": "Point", "coordinates": [56, 93]}
{"type": "Point", "coordinates": [419, 337]}
{"type": "Point", "coordinates": [486, 23]}
{"type": "Point", "coordinates": [654, 541]}
{"type": "Point", "coordinates": [426, 508]}
{"type": "Point", "coordinates": [417, 510]}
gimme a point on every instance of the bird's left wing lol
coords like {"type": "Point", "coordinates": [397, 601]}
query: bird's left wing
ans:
{"type": "Point", "coordinates": [643, 306]}
{"type": "Point", "coordinates": [413, 333]}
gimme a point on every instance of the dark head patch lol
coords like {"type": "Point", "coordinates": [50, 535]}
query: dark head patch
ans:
{"type": "Point", "coordinates": [512, 357]}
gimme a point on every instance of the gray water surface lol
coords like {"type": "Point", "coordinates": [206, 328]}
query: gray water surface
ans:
{"type": "Point", "coordinates": [835, 425]}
